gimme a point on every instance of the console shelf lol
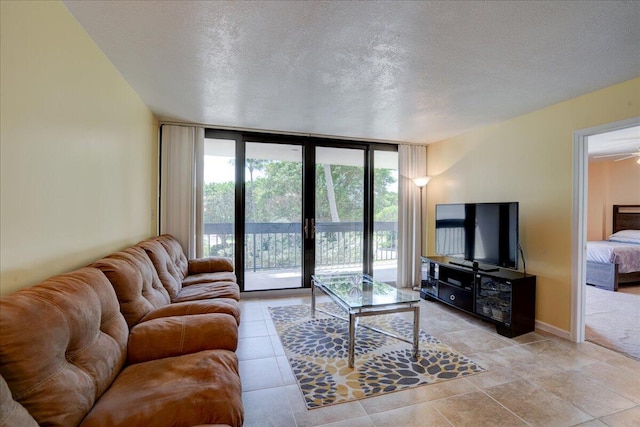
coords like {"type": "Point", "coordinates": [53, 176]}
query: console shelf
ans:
{"type": "Point", "coordinates": [504, 297]}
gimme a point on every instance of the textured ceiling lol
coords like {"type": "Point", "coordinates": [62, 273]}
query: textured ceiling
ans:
{"type": "Point", "coordinates": [399, 71]}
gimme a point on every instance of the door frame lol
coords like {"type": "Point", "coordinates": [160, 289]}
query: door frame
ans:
{"type": "Point", "coordinates": [579, 232]}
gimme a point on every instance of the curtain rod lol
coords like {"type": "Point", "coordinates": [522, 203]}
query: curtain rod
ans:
{"type": "Point", "coordinates": [285, 133]}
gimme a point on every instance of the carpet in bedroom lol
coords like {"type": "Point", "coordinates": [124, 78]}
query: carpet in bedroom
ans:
{"type": "Point", "coordinates": [613, 319]}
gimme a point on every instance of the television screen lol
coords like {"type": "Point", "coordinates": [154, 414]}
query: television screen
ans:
{"type": "Point", "coordinates": [482, 232]}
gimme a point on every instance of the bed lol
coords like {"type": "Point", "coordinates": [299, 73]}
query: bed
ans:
{"type": "Point", "coordinates": [617, 259]}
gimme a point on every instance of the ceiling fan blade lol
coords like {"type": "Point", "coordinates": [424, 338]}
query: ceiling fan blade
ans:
{"type": "Point", "coordinates": [625, 158]}
{"type": "Point", "coordinates": [613, 155]}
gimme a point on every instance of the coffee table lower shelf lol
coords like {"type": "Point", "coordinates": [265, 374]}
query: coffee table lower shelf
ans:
{"type": "Point", "coordinates": [355, 313]}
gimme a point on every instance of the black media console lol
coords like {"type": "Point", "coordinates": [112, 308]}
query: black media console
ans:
{"type": "Point", "coordinates": [504, 297]}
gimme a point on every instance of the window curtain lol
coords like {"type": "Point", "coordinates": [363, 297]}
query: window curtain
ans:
{"type": "Point", "coordinates": [181, 171]}
{"type": "Point", "coordinates": [412, 163]}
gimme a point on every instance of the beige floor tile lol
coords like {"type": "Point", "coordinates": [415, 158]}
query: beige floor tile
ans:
{"type": "Point", "coordinates": [255, 348]}
{"type": "Point", "coordinates": [558, 351]}
{"type": "Point", "coordinates": [385, 402]}
{"type": "Point", "coordinates": [353, 422]}
{"type": "Point", "coordinates": [495, 375]}
{"type": "Point", "coordinates": [626, 363]}
{"type": "Point", "coordinates": [419, 415]}
{"type": "Point", "coordinates": [437, 326]}
{"type": "Point", "coordinates": [586, 395]}
{"type": "Point", "coordinates": [285, 370]}
{"type": "Point", "coordinates": [529, 337]}
{"type": "Point", "coordinates": [267, 407]}
{"type": "Point", "coordinates": [249, 305]}
{"type": "Point", "coordinates": [324, 415]}
{"type": "Point", "coordinates": [592, 350]}
{"type": "Point", "coordinates": [473, 340]}
{"type": "Point", "coordinates": [257, 374]}
{"type": "Point", "coordinates": [252, 328]}
{"type": "Point", "coordinates": [476, 409]}
{"type": "Point", "coordinates": [536, 405]}
{"type": "Point", "coordinates": [278, 349]}
{"type": "Point", "coordinates": [628, 418]}
{"type": "Point", "coordinates": [523, 362]}
{"type": "Point", "coordinates": [616, 379]}
{"type": "Point", "coordinates": [251, 313]}
{"type": "Point", "coordinates": [592, 423]}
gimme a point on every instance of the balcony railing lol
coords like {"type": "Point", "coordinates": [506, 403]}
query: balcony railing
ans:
{"type": "Point", "coordinates": [279, 245]}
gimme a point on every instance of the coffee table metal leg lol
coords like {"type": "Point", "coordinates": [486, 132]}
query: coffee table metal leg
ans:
{"type": "Point", "coordinates": [416, 330]}
{"type": "Point", "coordinates": [313, 299]}
{"type": "Point", "coordinates": [352, 338]}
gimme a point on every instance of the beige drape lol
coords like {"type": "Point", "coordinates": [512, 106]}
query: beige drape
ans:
{"type": "Point", "coordinates": [181, 169]}
{"type": "Point", "coordinates": [412, 163]}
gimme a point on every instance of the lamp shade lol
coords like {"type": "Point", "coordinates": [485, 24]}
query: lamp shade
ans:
{"type": "Point", "coordinates": [421, 181]}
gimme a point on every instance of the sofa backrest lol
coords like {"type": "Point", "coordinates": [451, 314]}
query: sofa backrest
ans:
{"type": "Point", "coordinates": [62, 343]}
{"type": "Point", "coordinates": [176, 254]}
{"type": "Point", "coordinates": [13, 413]}
{"type": "Point", "coordinates": [171, 266]}
{"type": "Point", "coordinates": [135, 281]}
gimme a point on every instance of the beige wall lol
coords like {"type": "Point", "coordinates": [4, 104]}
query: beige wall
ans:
{"type": "Point", "coordinates": [610, 183]}
{"type": "Point", "coordinates": [529, 159]}
{"type": "Point", "coordinates": [78, 148]}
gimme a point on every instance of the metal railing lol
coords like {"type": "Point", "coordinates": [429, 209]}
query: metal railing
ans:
{"type": "Point", "coordinates": [271, 245]}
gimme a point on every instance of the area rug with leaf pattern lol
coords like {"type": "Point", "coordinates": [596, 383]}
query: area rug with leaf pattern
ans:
{"type": "Point", "coordinates": [317, 350]}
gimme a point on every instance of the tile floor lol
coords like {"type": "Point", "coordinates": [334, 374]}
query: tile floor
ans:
{"type": "Point", "coordinates": [532, 380]}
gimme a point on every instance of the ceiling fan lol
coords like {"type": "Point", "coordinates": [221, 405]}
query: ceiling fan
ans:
{"type": "Point", "coordinates": [625, 156]}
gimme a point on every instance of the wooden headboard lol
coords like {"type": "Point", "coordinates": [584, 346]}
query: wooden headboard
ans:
{"type": "Point", "coordinates": [626, 217]}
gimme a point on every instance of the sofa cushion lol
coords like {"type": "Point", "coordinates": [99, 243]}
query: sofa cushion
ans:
{"type": "Point", "coordinates": [135, 281]}
{"type": "Point", "coordinates": [222, 276]}
{"type": "Point", "coordinates": [198, 388]}
{"type": "Point", "coordinates": [170, 276]}
{"type": "Point", "coordinates": [177, 335]}
{"type": "Point", "coordinates": [219, 305]}
{"type": "Point", "coordinates": [209, 264]}
{"type": "Point", "coordinates": [11, 412]}
{"type": "Point", "coordinates": [209, 290]}
{"type": "Point", "coordinates": [63, 343]}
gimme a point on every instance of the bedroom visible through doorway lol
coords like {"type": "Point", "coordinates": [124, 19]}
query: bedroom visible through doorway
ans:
{"type": "Point", "coordinates": [612, 178]}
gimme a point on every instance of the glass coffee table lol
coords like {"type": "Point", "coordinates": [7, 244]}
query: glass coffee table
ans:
{"type": "Point", "coordinates": [359, 295]}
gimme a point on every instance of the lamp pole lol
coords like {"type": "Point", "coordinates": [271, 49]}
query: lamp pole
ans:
{"type": "Point", "coordinates": [421, 182]}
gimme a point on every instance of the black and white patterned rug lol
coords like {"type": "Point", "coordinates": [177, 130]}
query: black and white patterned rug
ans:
{"type": "Point", "coordinates": [317, 350]}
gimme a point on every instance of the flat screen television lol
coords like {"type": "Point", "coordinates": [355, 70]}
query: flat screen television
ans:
{"type": "Point", "coordinates": [479, 232]}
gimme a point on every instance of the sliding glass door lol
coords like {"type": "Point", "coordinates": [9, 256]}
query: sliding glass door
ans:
{"type": "Point", "coordinates": [273, 216]}
{"type": "Point", "coordinates": [385, 216]}
{"type": "Point", "coordinates": [339, 209]}
{"type": "Point", "coordinates": [287, 207]}
{"type": "Point", "coordinates": [219, 197]}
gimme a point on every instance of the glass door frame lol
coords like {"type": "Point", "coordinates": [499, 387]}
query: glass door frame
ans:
{"type": "Point", "coordinates": [308, 144]}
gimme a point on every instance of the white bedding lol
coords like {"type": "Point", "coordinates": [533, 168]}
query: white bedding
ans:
{"type": "Point", "coordinates": [626, 255]}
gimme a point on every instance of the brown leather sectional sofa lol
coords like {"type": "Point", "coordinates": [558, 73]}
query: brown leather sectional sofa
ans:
{"type": "Point", "coordinates": [142, 337]}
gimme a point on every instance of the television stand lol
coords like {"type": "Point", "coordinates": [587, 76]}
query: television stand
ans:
{"type": "Point", "coordinates": [506, 298]}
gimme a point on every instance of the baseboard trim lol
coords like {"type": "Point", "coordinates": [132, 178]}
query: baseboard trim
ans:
{"type": "Point", "coordinates": [553, 330]}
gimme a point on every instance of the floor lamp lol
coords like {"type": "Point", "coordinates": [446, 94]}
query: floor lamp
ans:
{"type": "Point", "coordinates": [421, 182]}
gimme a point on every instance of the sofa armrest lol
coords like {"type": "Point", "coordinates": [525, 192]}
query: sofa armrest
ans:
{"type": "Point", "coordinates": [212, 264]}
{"type": "Point", "coordinates": [178, 335]}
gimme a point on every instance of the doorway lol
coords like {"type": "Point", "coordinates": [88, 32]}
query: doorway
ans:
{"type": "Point", "coordinates": [580, 215]}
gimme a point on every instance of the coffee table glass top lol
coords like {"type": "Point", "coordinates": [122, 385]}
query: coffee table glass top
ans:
{"type": "Point", "coordinates": [360, 290]}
